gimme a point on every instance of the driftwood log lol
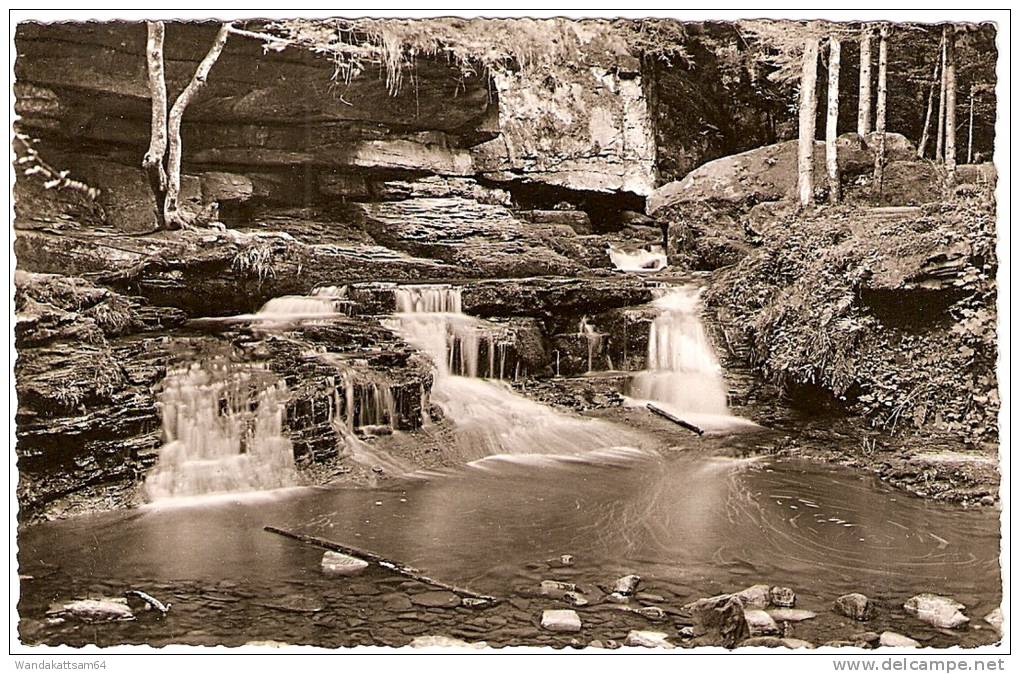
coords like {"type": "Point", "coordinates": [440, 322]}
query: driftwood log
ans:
{"type": "Point", "coordinates": [389, 564]}
{"type": "Point", "coordinates": [655, 409]}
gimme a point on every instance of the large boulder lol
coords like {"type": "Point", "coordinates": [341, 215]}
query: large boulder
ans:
{"type": "Point", "coordinates": [769, 173]}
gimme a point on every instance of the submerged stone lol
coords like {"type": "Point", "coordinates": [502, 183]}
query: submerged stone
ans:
{"type": "Point", "coordinates": [646, 639]}
{"type": "Point", "coordinates": [556, 588]}
{"type": "Point", "coordinates": [855, 606]}
{"type": "Point", "coordinates": [561, 621]}
{"type": "Point", "coordinates": [866, 639]}
{"type": "Point", "coordinates": [937, 610]}
{"type": "Point", "coordinates": [436, 599]}
{"type": "Point", "coordinates": [791, 615]}
{"type": "Point", "coordinates": [762, 642]}
{"type": "Point", "coordinates": [895, 640]}
{"type": "Point", "coordinates": [336, 564]}
{"type": "Point", "coordinates": [627, 585]}
{"type": "Point", "coordinates": [995, 619]}
{"type": "Point", "coordinates": [95, 610]}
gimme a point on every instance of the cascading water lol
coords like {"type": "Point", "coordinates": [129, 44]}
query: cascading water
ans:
{"type": "Point", "coordinates": [431, 319]}
{"type": "Point", "coordinates": [682, 374]}
{"type": "Point", "coordinates": [650, 259]}
{"type": "Point", "coordinates": [490, 420]}
{"type": "Point", "coordinates": [595, 341]}
{"type": "Point", "coordinates": [223, 429]}
{"type": "Point", "coordinates": [324, 303]}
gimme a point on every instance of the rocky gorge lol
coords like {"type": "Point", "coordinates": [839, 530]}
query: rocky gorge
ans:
{"type": "Point", "coordinates": [342, 217]}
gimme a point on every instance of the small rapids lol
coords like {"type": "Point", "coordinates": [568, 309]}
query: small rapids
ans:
{"type": "Point", "coordinates": [651, 259]}
{"type": "Point", "coordinates": [489, 418]}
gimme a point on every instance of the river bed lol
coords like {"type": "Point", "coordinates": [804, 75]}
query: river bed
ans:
{"type": "Point", "coordinates": [690, 524]}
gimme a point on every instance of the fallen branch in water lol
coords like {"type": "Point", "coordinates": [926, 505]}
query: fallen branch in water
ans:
{"type": "Point", "coordinates": [395, 567]}
{"type": "Point", "coordinates": [675, 419]}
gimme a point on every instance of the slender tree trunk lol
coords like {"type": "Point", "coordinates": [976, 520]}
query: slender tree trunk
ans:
{"type": "Point", "coordinates": [880, 106]}
{"type": "Point", "coordinates": [926, 132]}
{"type": "Point", "coordinates": [864, 95]}
{"type": "Point", "coordinates": [172, 213]}
{"type": "Point", "coordinates": [808, 110]}
{"type": "Point", "coordinates": [950, 109]}
{"type": "Point", "coordinates": [154, 157]}
{"type": "Point", "coordinates": [970, 129]}
{"type": "Point", "coordinates": [940, 135]}
{"type": "Point", "coordinates": [832, 122]}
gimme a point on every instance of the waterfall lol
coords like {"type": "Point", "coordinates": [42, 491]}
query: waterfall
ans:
{"type": "Point", "coordinates": [648, 259]}
{"type": "Point", "coordinates": [287, 311]}
{"type": "Point", "coordinates": [324, 302]}
{"type": "Point", "coordinates": [595, 343]}
{"type": "Point", "coordinates": [683, 374]}
{"type": "Point", "coordinates": [489, 418]}
{"type": "Point", "coordinates": [222, 425]}
{"type": "Point", "coordinates": [431, 319]}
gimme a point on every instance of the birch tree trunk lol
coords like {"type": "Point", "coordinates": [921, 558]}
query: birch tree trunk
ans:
{"type": "Point", "coordinates": [940, 133]}
{"type": "Point", "coordinates": [152, 163]}
{"type": "Point", "coordinates": [970, 129]}
{"type": "Point", "coordinates": [864, 92]}
{"type": "Point", "coordinates": [950, 108]}
{"type": "Point", "coordinates": [880, 105]}
{"type": "Point", "coordinates": [832, 121]}
{"type": "Point", "coordinates": [922, 145]}
{"type": "Point", "coordinates": [171, 209]}
{"type": "Point", "coordinates": [808, 109]}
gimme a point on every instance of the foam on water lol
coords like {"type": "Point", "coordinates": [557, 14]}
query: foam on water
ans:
{"type": "Point", "coordinates": [642, 260]}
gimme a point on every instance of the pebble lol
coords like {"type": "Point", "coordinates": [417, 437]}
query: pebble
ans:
{"type": "Point", "coordinates": [645, 639]}
{"type": "Point", "coordinates": [436, 599]}
{"type": "Point", "coordinates": [760, 623]}
{"type": "Point", "coordinates": [783, 597]}
{"type": "Point", "coordinates": [651, 612]}
{"type": "Point", "coordinates": [755, 597]}
{"type": "Point", "coordinates": [649, 597]}
{"type": "Point", "coordinates": [791, 615]}
{"type": "Point", "coordinates": [894, 640]}
{"type": "Point", "coordinates": [995, 620]}
{"type": "Point", "coordinates": [95, 610]}
{"type": "Point", "coordinates": [937, 610]}
{"type": "Point", "coordinates": [627, 584]}
{"type": "Point", "coordinates": [556, 620]}
{"type": "Point", "coordinates": [396, 603]}
{"type": "Point", "coordinates": [336, 564]}
{"type": "Point", "coordinates": [475, 602]}
{"type": "Point", "coordinates": [855, 606]}
{"type": "Point", "coordinates": [556, 588]}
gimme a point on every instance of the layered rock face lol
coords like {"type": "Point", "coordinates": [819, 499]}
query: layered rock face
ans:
{"type": "Point", "coordinates": [280, 127]}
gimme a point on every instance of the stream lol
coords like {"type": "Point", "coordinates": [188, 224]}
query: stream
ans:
{"type": "Point", "coordinates": [693, 519]}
